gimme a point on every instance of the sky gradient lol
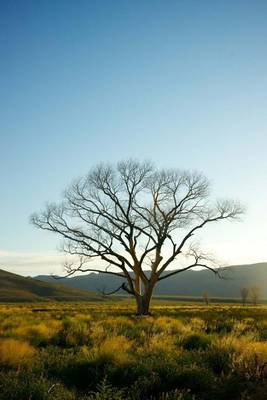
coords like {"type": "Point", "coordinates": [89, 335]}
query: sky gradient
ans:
{"type": "Point", "coordinates": [182, 83]}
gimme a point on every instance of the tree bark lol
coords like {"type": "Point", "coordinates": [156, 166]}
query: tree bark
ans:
{"type": "Point", "coordinates": [143, 300]}
{"type": "Point", "coordinates": [137, 284]}
{"type": "Point", "coordinates": [143, 303]}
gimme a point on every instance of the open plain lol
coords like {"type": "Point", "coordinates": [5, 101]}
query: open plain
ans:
{"type": "Point", "coordinates": [103, 351]}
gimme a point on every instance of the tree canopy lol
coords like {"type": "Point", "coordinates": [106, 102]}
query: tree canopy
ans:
{"type": "Point", "coordinates": [137, 220]}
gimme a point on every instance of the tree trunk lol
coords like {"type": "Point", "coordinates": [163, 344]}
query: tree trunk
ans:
{"type": "Point", "coordinates": [143, 301]}
{"type": "Point", "coordinates": [137, 284]}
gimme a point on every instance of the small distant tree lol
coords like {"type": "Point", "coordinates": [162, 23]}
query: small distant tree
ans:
{"type": "Point", "coordinates": [255, 294]}
{"type": "Point", "coordinates": [134, 221]}
{"type": "Point", "coordinates": [206, 297]}
{"type": "Point", "coordinates": [244, 292]}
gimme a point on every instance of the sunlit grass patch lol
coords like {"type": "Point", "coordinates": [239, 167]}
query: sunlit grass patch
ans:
{"type": "Point", "coordinates": [118, 325]}
{"type": "Point", "coordinates": [15, 352]}
{"type": "Point", "coordinates": [83, 317]}
{"type": "Point", "coordinates": [74, 333]}
{"type": "Point", "coordinates": [170, 325]}
{"type": "Point", "coordinates": [117, 349]}
{"type": "Point", "coordinates": [197, 324]}
{"type": "Point", "coordinates": [40, 333]}
{"type": "Point", "coordinates": [98, 333]}
{"type": "Point", "coordinates": [252, 360]}
{"type": "Point", "coordinates": [166, 344]}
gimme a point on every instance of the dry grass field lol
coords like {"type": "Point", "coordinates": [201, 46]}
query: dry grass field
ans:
{"type": "Point", "coordinates": [90, 351]}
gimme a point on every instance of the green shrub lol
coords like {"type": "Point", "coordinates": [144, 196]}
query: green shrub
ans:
{"type": "Point", "coordinates": [198, 380]}
{"type": "Point", "coordinates": [72, 367]}
{"type": "Point", "coordinates": [144, 386]}
{"type": "Point", "coordinates": [196, 341]}
{"type": "Point", "coordinates": [219, 359]}
{"type": "Point", "coordinates": [26, 385]}
{"type": "Point", "coordinates": [105, 391]}
{"type": "Point", "coordinates": [263, 334]}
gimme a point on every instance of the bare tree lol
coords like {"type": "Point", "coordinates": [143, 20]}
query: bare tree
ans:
{"type": "Point", "coordinates": [138, 221]}
{"type": "Point", "coordinates": [255, 294]}
{"type": "Point", "coordinates": [244, 291]}
{"type": "Point", "coordinates": [206, 297]}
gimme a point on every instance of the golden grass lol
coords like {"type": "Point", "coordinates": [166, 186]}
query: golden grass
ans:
{"type": "Point", "coordinates": [104, 330]}
{"type": "Point", "coordinates": [175, 339]}
{"type": "Point", "coordinates": [169, 325]}
{"type": "Point", "coordinates": [15, 352]}
{"type": "Point", "coordinates": [44, 331]}
{"type": "Point", "coordinates": [117, 349]}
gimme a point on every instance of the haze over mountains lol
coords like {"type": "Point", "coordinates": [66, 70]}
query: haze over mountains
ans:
{"type": "Point", "coordinates": [85, 287]}
{"type": "Point", "coordinates": [188, 283]}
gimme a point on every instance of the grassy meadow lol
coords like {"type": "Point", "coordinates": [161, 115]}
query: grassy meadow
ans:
{"type": "Point", "coordinates": [89, 351]}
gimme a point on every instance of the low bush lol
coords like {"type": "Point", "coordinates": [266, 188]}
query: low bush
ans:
{"type": "Point", "coordinates": [27, 385]}
{"type": "Point", "coordinates": [219, 360]}
{"type": "Point", "coordinates": [195, 341]}
{"type": "Point", "coordinates": [105, 391]}
{"type": "Point", "coordinates": [197, 379]}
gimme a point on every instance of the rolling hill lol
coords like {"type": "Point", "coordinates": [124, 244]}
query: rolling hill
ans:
{"type": "Point", "coordinates": [16, 288]}
{"type": "Point", "coordinates": [189, 283]}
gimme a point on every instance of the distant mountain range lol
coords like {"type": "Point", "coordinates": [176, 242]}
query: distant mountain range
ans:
{"type": "Point", "coordinates": [188, 283]}
{"type": "Point", "coordinates": [16, 288]}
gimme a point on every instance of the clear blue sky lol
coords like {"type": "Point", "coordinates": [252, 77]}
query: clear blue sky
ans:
{"type": "Point", "coordinates": [183, 83]}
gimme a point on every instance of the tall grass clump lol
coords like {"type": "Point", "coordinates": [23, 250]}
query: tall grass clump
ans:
{"type": "Point", "coordinates": [74, 333]}
{"type": "Point", "coordinates": [195, 341]}
{"type": "Point", "coordinates": [15, 353]}
{"type": "Point", "coordinates": [116, 349]}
